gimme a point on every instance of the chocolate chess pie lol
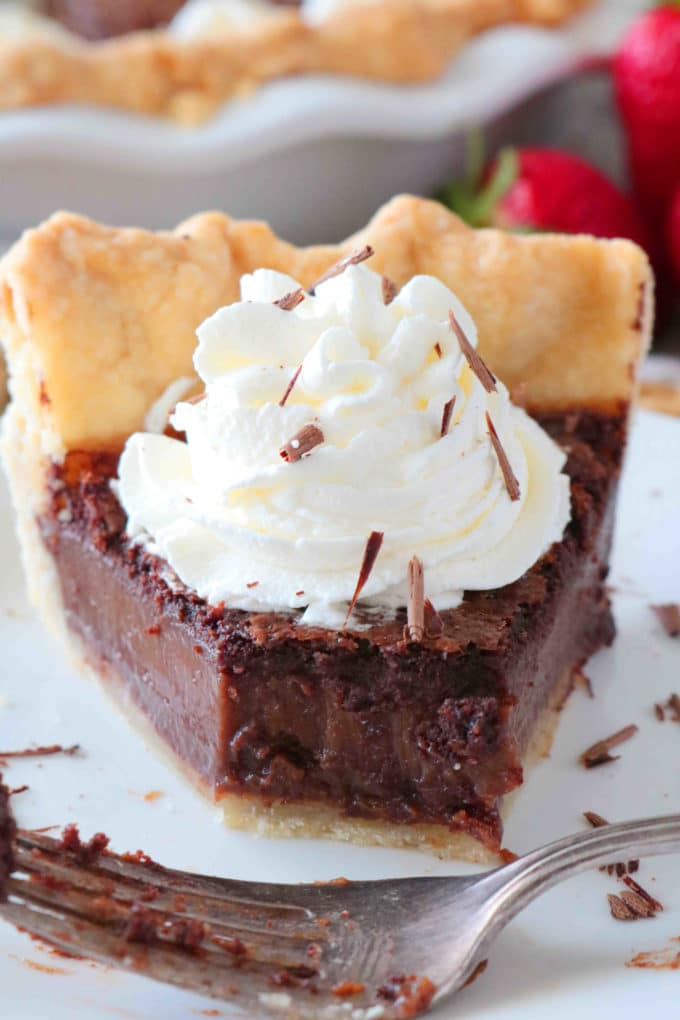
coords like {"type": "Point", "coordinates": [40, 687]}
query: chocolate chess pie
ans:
{"type": "Point", "coordinates": [195, 56]}
{"type": "Point", "coordinates": [323, 553]}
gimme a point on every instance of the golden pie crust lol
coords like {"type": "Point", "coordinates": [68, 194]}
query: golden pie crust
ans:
{"type": "Point", "coordinates": [97, 321]}
{"type": "Point", "coordinates": [154, 73]}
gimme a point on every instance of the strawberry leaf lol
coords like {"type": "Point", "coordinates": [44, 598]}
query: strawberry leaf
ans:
{"type": "Point", "coordinates": [475, 202]}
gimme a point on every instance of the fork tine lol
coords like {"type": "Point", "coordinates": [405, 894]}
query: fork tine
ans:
{"type": "Point", "coordinates": [281, 902]}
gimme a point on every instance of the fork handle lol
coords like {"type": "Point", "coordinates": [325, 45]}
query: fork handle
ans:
{"type": "Point", "coordinates": [526, 878]}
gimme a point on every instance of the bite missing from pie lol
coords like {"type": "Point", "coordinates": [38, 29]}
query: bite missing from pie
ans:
{"type": "Point", "coordinates": [321, 553]}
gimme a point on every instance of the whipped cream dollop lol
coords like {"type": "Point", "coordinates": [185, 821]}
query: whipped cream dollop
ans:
{"type": "Point", "coordinates": [240, 524]}
{"type": "Point", "coordinates": [199, 19]}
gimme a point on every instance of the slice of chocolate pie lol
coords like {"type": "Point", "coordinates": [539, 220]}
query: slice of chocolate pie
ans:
{"type": "Point", "coordinates": [350, 582]}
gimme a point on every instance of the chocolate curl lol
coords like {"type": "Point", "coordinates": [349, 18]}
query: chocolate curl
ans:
{"type": "Point", "coordinates": [389, 290]}
{"type": "Point", "coordinates": [473, 358]}
{"type": "Point", "coordinates": [447, 415]}
{"type": "Point", "coordinates": [302, 443]}
{"type": "Point", "coordinates": [373, 546]}
{"type": "Point", "coordinates": [511, 483]}
{"type": "Point", "coordinates": [291, 300]}
{"type": "Point", "coordinates": [599, 754]}
{"type": "Point", "coordinates": [289, 387]}
{"type": "Point", "coordinates": [415, 626]}
{"type": "Point", "coordinates": [350, 260]}
{"type": "Point", "coordinates": [434, 625]}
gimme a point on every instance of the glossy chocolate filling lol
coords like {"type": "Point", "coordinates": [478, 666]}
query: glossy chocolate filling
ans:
{"type": "Point", "coordinates": [365, 722]}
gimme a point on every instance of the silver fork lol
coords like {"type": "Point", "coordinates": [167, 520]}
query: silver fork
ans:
{"type": "Point", "coordinates": [363, 950]}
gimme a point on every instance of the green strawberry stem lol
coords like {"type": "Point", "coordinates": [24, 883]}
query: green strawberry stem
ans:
{"type": "Point", "coordinates": [474, 201]}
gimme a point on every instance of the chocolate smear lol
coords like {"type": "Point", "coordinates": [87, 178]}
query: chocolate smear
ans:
{"type": "Point", "coordinates": [473, 358]}
{"type": "Point", "coordinates": [302, 443]}
{"type": "Point", "coordinates": [291, 300]}
{"type": "Point", "coordinates": [415, 626]}
{"type": "Point", "coordinates": [447, 415]}
{"type": "Point", "coordinates": [669, 618]}
{"type": "Point", "coordinates": [353, 259]}
{"type": "Point", "coordinates": [511, 483]}
{"type": "Point", "coordinates": [373, 546]}
{"type": "Point", "coordinates": [599, 754]}
{"type": "Point", "coordinates": [389, 290]}
{"type": "Point", "coordinates": [289, 387]}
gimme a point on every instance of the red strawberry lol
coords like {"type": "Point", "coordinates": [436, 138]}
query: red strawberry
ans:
{"type": "Point", "coordinates": [673, 233]}
{"type": "Point", "coordinates": [647, 79]}
{"type": "Point", "coordinates": [545, 189]}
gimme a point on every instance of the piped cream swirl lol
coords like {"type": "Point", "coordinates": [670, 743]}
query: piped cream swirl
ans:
{"type": "Point", "coordinates": [240, 525]}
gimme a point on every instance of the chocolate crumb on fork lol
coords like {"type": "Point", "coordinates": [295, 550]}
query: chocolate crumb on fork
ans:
{"type": "Point", "coordinates": [669, 618]}
{"type": "Point", "coordinates": [598, 753]}
{"type": "Point", "coordinates": [373, 546]}
{"type": "Point", "coordinates": [301, 444]}
{"type": "Point", "coordinates": [353, 259]}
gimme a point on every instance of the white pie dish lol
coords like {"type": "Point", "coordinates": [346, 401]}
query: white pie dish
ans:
{"type": "Point", "coordinates": [314, 156]}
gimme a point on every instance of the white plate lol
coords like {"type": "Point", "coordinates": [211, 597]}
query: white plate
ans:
{"type": "Point", "coordinates": [564, 958]}
{"type": "Point", "coordinates": [314, 155]}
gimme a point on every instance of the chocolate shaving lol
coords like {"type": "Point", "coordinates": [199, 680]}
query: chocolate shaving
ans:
{"type": "Point", "coordinates": [473, 358]}
{"type": "Point", "coordinates": [252, 584]}
{"type": "Point", "coordinates": [373, 546]}
{"type": "Point", "coordinates": [336, 270]}
{"type": "Point", "coordinates": [434, 625]}
{"type": "Point", "coordinates": [642, 893]}
{"type": "Point", "coordinates": [289, 387]}
{"type": "Point", "coordinates": [39, 752]}
{"type": "Point", "coordinates": [415, 626]}
{"type": "Point", "coordinates": [619, 868]}
{"type": "Point", "coordinates": [447, 415]}
{"type": "Point", "coordinates": [291, 300]}
{"type": "Point", "coordinates": [18, 789]}
{"type": "Point", "coordinates": [599, 754]}
{"type": "Point", "coordinates": [659, 712]}
{"type": "Point", "coordinates": [511, 483]}
{"type": "Point", "coordinates": [438, 349]}
{"type": "Point", "coordinates": [630, 906]}
{"type": "Point", "coordinates": [301, 444]}
{"type": "Point", "coordinates": [669, 617]}
{"type": "Point", "coordinates": [389, 290]}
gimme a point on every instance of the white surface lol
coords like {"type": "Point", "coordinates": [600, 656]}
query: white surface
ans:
{"type": "Point", "coordinates": [564, 958]}
{"type": "Point", "coordinates": [282, 154]}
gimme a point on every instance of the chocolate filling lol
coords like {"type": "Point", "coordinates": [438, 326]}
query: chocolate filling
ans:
{"type": "Point", "coordinates": [370, 723]}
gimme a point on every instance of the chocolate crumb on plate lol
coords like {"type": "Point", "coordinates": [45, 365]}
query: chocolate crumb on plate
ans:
{"type": "Point", "coordinates": [650, 900]}
{"type": "Point", "coordinates": [598, 753]}
{"type": "Point", "coordinates": [434, 625]}
{"type": "Point", "coordinates": [39, 752]}
{"type": "Point", "coordinates": [669, 618]}
{"type": "Point", "coordinates": [619, 868]}
{"type": "Point", "coordinates": [628, 907]}
{"type": "Point", "coordinates": [659, 712]}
